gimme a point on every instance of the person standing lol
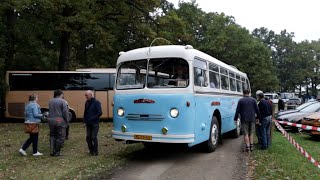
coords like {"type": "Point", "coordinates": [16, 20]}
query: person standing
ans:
{"type": "Point", "coordinates": [32, 116]}
{"type": "Point", "coordinates": [258, 124]}
{"type": "Point", "coordinates": [280, 104]}
{"type": "Point", "coordinates": [91, 116]}
{"type": "Point", "coordinates": [265, 109]}
{"type": "Point", "coordinates": [58, 122]}
{"type": "Point", "coordinates": [248, 110]}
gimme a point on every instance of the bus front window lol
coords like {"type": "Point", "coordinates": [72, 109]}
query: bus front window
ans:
{"type": "Point", "coordinates": [131, 75]}
{"type": "Point", "coordinates": [168, 73]}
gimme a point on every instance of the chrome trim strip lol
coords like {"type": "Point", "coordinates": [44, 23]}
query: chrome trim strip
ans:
{"type": "Point", "coordinates": [154, 135]}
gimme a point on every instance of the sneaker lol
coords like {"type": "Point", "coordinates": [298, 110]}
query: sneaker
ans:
{"type": "Point", "coordinates": [23, 152]}
{"type": "Point", "coordinates": [38, 154]}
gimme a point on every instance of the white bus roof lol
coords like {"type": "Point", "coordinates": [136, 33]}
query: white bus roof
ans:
{"type": "Point", "coordinates": [174, 51]}
{"type": "Point", "coordinates": [102, 70]}
{"type": "Point", "coordinates": [97, 70]}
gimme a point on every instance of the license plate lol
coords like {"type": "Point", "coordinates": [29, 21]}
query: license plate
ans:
{"type": "Point", "coordinates": [143, 137]}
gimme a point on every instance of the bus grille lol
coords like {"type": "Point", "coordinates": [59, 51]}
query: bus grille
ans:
{"type": "Point", "coordinates": [145, 117]}
{"type": "Point", "coordinates": [16, 109]}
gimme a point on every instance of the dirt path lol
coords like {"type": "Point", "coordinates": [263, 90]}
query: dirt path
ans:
{"type": "Point", "coordinates": [227, 162]}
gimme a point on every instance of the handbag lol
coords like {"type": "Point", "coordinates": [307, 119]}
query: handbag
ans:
{"type": "Point", "coordinates": [31, 128]}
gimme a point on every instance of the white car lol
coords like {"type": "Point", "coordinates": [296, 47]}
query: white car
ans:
{"type": "Point", "coordinates": [274, 97]}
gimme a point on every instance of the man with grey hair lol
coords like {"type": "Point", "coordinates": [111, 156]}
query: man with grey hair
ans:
{"type": "Point", "coordinates": [91, 116]}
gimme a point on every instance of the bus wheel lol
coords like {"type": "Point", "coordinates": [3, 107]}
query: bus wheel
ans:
{"type": "Point", "coordinates": [72, 116]}
{"type": "Point", "coordinates": [213, 141]}
{"type": "Point", "coordinates": [237, 131]}
{"type": "Point", "coordinates": [45, 113]}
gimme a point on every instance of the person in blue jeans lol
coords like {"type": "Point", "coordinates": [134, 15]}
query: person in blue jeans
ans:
{"type": "Point", "coordinates": [265, 109]}
{"type": "Point", "coordinates": [91, 118]}
{"type": "Point", "coordinates": [32, 115]}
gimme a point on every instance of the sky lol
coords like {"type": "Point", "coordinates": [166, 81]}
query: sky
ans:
{"type": "Point", "coordinates": [298, 16]}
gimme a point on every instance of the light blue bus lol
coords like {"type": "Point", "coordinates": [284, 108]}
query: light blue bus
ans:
{"type": "Point", "coordinates": [175, 94]}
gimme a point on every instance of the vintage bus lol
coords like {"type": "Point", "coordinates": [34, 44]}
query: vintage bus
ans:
{"type": "Point", "coordinates": [175, 94]}
{"type": "Point", "coordinates": [73, 83]}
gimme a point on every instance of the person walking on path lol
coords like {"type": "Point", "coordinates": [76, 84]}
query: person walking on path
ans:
{"type": "Point", "coordinates": [58, 122]}
{"type": "Point", "coordinates": [91, 116]}
{"type": "Point", "coordinates": [248, 110]}
{"type": "Point", "coordinates": [265, 109]}
{"type": "Point", "coordinates": [32, 116]}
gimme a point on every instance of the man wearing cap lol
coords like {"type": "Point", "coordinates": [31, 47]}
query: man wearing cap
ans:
{"type": "Point", "coordinates": [258, 124]}
{"type": "Point", "coordinates": [247, 108]}
{"type": "Point", "coordinates": [265, 109]}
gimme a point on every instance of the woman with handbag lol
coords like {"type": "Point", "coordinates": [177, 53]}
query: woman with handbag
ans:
{"type": "Point", "coordinates": [32, 119]}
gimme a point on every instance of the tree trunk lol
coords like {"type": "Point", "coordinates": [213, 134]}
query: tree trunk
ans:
{"type": "Point", "coordinates": [64, 56]}
{"type": "Point", "coordinates": [82, 50]}
{"type": "Point", "coordinates": [11, 18]}
{"type": "Point", "coordinates": [64, 51]}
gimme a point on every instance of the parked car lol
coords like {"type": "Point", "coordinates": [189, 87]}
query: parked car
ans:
{"type": "Point", "coordinates": [274, 97]}
{"type": "Point", "coordinates": [312, 120]}
{"type": "Point", "coordinates": [302, 106]}
{"type": "Point", "coordinates": [286, 96]}
{"type": "Point", "coordinates": [296, 117]}
{"type": "Point", "coordinates": [293, 103]}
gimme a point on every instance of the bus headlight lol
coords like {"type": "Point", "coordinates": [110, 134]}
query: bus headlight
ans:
{"type": "Point", "coordinates": [120, 112]}
{"type": "Point", "coordinates": [174, 112]}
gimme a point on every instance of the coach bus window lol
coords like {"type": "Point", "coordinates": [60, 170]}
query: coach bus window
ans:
{"type": "Point", "coordinates": [69, 81]}
{"type": "Point", "coordinates": [232, 77]}
{"type": "Point", "coordinates": [112, 78]}
{"type": "Point", "coordinates": [200, 77]}
{"type": "Point", "coordinates": [20, 81]}
{"type": "Point", "coordinates": [132, 75]}
{"type": "Point", "coordinates": [224, 79]}
{"type": "Point", "coordinates": [214, 77]}
{"type": "Point", "coordinates": [168, 73]}
{"type": "Point", "coordinates": [239, 84]}
{"type": "Point", "coordinates": [96, 81]}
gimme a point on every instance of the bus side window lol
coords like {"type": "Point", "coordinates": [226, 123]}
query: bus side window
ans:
{"type": "Point", "coordinates": [200, 77]}
{"type": "Point", "coordinates": [239, 84]}
{"type": "Point", "coordinates": [214, 80]}
{"type": "Point", "coordinates": [224, 79]}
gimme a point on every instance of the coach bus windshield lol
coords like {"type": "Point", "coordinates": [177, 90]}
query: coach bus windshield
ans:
{"type": "Point", "coordinates": [161, 73]}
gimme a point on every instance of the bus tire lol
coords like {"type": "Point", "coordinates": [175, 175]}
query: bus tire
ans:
{"type": "Point", "coordinates": [214, 137]}
{"type": "Point", "coordinates": [44, 113]}
{"type": "Point", "coordinates": [237, 131]}
{"type": "Point", "coordinates": [72, 116]}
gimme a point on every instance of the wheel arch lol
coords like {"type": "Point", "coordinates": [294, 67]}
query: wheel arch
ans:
{"type": "Point", "coordinates": [217, 114]}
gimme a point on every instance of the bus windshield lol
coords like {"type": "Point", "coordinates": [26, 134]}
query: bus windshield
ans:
{"type": "Point", "coordinates": [162, 73]}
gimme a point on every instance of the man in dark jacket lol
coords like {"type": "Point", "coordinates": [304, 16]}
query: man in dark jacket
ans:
{"type": "Point", "coordinates": [281, 104]}
{"type": "Point", "coordinates": [91, 116]}
{"type": "Point", "coordinates": [248, 110]}
{"type": "Point", "coordinates": [265, 109]}
{"type": "Point", "coordinates": [58, 122]}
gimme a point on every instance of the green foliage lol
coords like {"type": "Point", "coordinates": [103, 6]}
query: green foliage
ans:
{"type": "Point", "coordinates": [59, 34]}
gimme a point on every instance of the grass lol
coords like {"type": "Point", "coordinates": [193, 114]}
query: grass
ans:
{"type": "Point", "coordinates": [75, 164]}
{"type": "Point", "coordinates": [283, 161]}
